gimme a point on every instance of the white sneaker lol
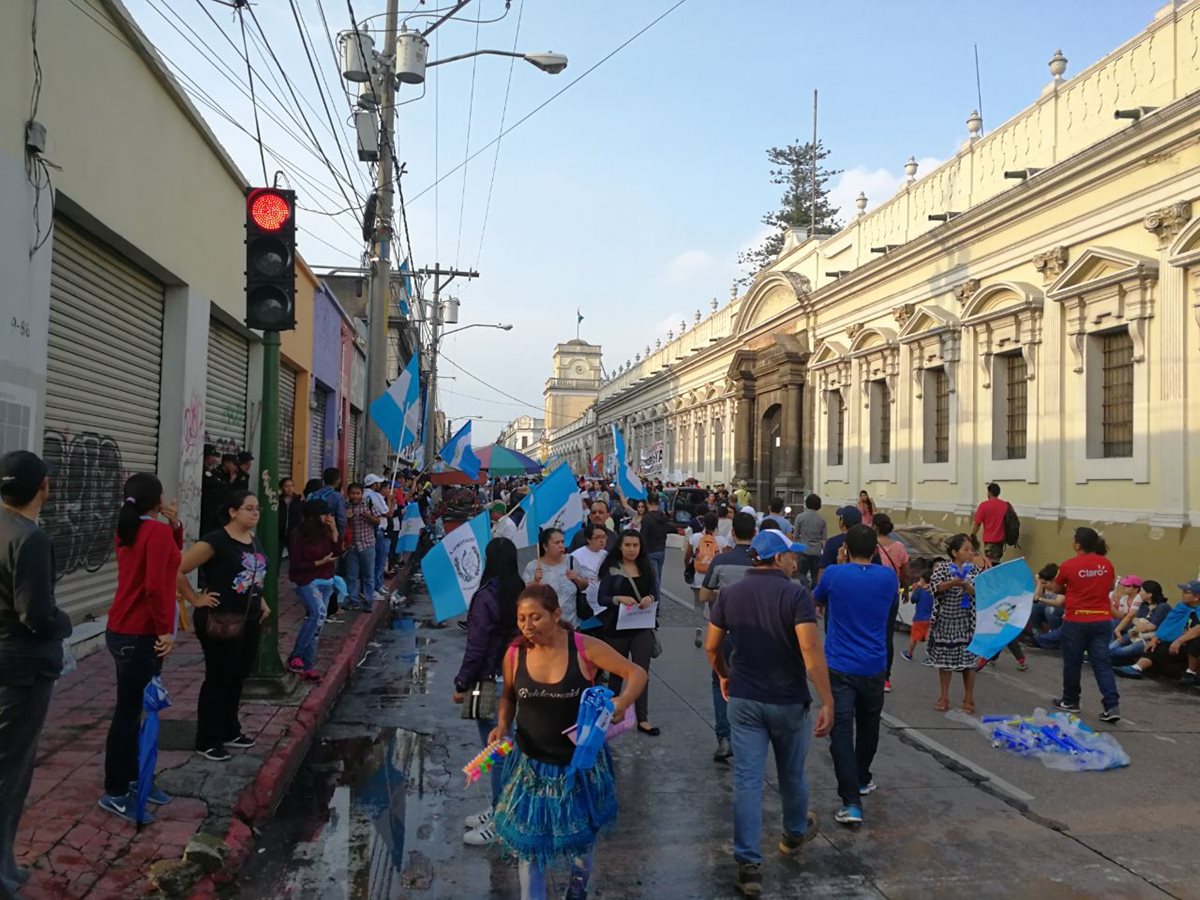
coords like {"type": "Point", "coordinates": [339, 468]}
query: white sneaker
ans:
{"type": "Point", "coordinates": [480, 819]}
{"type": "Point", "coordinates": [480, 837]}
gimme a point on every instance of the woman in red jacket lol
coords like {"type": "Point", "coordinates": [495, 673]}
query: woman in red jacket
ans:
{"type": "Point", "coordinates": [141, 628]}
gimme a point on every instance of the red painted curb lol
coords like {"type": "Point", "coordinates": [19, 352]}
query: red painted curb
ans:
{"type": "Point", "coordinates": [258, 801]}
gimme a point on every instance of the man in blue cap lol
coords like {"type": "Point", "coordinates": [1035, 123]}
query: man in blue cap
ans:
{"type": "Point", "coordinates": [776, 652]}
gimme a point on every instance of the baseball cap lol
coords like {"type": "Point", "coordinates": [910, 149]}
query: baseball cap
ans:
{"type": "Point", "coordinates": [1191, 587]}
{"type": "Point", "coordinates": [372, 480]}
{"type": "Point", "coordinates": [850, 515]}
{"type": "Point", "coordinates": [749, 509]}
{"type": "Point", "coordinates": [210, 450]}
{"type": "Point", "coordinates": [22, 471]}
{"type": "Point", "coordinates": [498, 506]}
{"type": "Point", "coordinates": [245, 456]}
{"type": "Point", "coordinates": [1131, 581]}
{"type": "Point", "coordinates": [768, 544]}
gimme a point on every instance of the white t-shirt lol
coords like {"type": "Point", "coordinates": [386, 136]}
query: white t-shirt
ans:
{"type": "Point", "coordinates": [694, 540]}
{"type": "Point", "coordinates": [588, 562]}
{"type": "Point", "coordinates": [556, 577]}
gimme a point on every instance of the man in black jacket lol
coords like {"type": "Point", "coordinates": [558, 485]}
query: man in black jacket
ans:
{"type": "Point", "coordinates": [655, 528]}
{"type": "Point", "coordinates": [32, 630]}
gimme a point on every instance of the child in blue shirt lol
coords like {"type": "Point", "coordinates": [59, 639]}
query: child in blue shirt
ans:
{"type": "Point", "coordinates": [923, 597]}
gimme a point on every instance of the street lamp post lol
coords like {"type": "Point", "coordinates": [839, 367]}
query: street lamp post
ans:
{"type": "Point", "coordinates": [435, 341]}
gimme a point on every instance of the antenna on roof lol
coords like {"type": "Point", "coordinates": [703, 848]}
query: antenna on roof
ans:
{"type": "Point", "coordinates": [978, 88]}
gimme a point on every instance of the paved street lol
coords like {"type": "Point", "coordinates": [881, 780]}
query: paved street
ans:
{"type": "Point", "coordinates": [377, 811]}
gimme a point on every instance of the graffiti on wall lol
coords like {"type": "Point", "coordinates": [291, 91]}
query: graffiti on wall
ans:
{"type": "Point", "coordinates": [191, 464]}
{"type": "Point", "coordinates": [85, 497]}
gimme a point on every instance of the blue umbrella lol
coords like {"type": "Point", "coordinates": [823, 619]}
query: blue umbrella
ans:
{"type": "Point", "coordinates": [154, 698]}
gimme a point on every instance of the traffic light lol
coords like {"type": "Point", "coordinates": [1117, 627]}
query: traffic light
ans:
{"type": "Point", "coordinates": [270, 259]}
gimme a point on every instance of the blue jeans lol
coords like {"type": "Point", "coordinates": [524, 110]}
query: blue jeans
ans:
{"type": "Point", "coordinates": [360, 566]}
{"type": "Point", "coordinates": [787, 729]}
{"type": "Point", "coordinates": [1126, 653]}
{"type": "Point", "coordinates": [383, 548]}
{"type": "Point", "coordinates": [485, 728]}
{"type": "Point", "coordinates": [720, 707]}
{"type": "Point", "coordinates": [316, 603]}
{"type": "Point", "coordinates": [1091, 638]}
{"type": "Point", "coordinates": [656, 560]}
{"type": "Point", "coordinates": [857, 705]}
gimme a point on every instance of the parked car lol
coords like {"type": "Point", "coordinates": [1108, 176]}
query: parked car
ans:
{"type": "Point", "coordinates": [925, 545]}
{"type": "Point", "coordinates": [681, 505]}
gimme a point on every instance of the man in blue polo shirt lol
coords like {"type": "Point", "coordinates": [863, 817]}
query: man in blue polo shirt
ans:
{"type": "Point", "coordinates": [776, 651]}
{"type": "Point", "coordinates": [858, 596]}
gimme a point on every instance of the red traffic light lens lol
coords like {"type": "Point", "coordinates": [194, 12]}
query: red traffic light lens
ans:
{"type": "Point", "coordinates": [269, 211]}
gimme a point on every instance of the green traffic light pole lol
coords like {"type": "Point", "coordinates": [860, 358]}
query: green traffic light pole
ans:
{"type": "Point", "coordinates": [270, 678]}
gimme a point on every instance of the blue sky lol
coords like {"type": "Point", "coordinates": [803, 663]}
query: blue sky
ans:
{"type": "Point", "coordinates": [630, 195]}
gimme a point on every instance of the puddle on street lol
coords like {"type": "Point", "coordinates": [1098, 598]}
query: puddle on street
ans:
{"type": "Point", "coordinates": [357, 802]}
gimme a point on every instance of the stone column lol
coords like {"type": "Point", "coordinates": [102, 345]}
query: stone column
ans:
{"type": "Point", "coordinates": [790, 457]}
{"type": "Point", "coordinates": [744, 450]}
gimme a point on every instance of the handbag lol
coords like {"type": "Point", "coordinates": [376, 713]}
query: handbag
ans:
{"type": "Point", "coordinates": [656, 650]}
{"type": "Point", "coordinates": [224, 625]}
{"type": "Point", "coordinates": [583, 609]}
{"type": "Point", "coordinates": [482, 701]}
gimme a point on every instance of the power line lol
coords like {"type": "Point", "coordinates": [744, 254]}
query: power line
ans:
{"type": "Point", "coordinates": [487, 209]}
{"type": "Point", "coordinates": [489, 400]}
{"type": "Point", "coordinates": [486, 384]}
{"type": "Point", "coordinates": [253, 100]}
{"type": "Point", "coordinates": [462, 203]}
{"type": "Point", "coordinates": [529, 115]}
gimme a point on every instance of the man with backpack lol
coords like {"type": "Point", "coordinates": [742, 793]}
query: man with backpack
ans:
{"type": "Point", "coordinates": [702, 548]}
{"type": "Point", "coordinates": [999, 521]}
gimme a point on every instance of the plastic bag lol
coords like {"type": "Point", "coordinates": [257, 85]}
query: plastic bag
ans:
{"type": "Point", "coordinates": [1059, 740]}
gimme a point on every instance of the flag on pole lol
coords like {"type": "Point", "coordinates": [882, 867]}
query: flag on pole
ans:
{"type": "Point", "coordinates": [410, 529]}
{"type": "Point", "coordinates": [398, 411]}
{"type": "Point", "coordinates": [1003, 604]}
{"type": "Point", "coordinates": [556, 503]}
{"type": "Point", "coordinates": [596, 469]}
{"type": "Point", "coordinates": [406, 288]}
{"type": "Point", "coordinates": [454, 566]}
{"type": "Point", "coordinates": [578, 316]}
{"type": "Point", "coordinates": [627, 479]}
{"type": "Point", "coordinates": [525, 534]}
{"type": "Point", "coordinates": [458, 453]}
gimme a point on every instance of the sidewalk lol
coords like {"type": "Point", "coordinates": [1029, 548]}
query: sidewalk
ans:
{"type": "Point", "coordinates": [77, 850]}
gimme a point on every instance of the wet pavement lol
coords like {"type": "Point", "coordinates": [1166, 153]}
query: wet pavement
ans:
{"type": "Point", "coordinates": [376, 812]}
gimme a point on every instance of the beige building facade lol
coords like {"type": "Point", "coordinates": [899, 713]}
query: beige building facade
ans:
{"type": "Point", "coordinates": [524, 434]}
{"type": "Point", "coordinates": [1028, 312]}
{"type": "Point", "coordinates": [575, 383]}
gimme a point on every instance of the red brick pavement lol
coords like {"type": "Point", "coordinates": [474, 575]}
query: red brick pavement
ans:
{"type": "Point", "coordinates": [77, 850]}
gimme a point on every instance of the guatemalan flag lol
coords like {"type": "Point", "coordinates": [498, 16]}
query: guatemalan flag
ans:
{"type": "Point", "coordinates": [1003, 604]}
{"type": "Point", "coordinates": [398, 411]}
{"type": "Point", "coordinates": [627, 480]}
{"type": "Point", "coordinates": [454, 566]}
{"type": "Point", "coordinates": [458, 453]}
{"type": "Point", "coordinates": [555, 503]}
{"type": "Point", "coordinates": [410, 529]}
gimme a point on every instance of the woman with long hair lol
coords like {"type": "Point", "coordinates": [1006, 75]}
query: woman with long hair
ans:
{"type": "Point", "coordinates": [952, 625]}
{"type": "Point", "coordinates": [289, 512]}
{"type": "Point", "coordinates": [545, 811]}
{"type": "Point", "coordinates": [491, 626]}
{"type": "Point", "coordinates": [628, 579]}
{"type": "Point", "coordinates": [866, 508]}
{"type": "Point", "coordinates": [555, 567]}
{"type": "Point", "coordinates": [141, 629]}
{"type": "Point", "coordinates": [228, 615]}
{"type": "Point", "coordinates": [894, 555]}
{"type": "Point", "coordinates": [1139, 624]}
{"type": "Point", "coordinates": [313, 551]}
{"type": "Point", "coordinates": [1087, 579]}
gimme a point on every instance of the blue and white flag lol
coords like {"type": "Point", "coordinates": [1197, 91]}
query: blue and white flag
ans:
{"type": "Point", "coordinates": [410, 529]}
{"type": "Point", "coordinates": [454, 566]}
{"type": "Point", "coordinates": [398, 411]}
{"type": "Point", "coordinates": [555, 503]}
{"type": "Point", "coordinates": [1003, 604]}
{"type": "Point", "coordinates": [406, 288]}
{"type": "Point", "coordinates": [627, 479]}
{"type": "Point", "coordinates": [526, 532]}
{"type": "Point", "coordinates": [458, 453]}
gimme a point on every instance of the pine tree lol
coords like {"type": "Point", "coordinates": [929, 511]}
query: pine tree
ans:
{"type": "Point", "coordinates": [792, 167]}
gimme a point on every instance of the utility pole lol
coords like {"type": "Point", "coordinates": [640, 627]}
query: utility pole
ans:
{"type": "Point", "coordinates": [378, 451]}
{"type": "Point", "coordinates": [435, 324]}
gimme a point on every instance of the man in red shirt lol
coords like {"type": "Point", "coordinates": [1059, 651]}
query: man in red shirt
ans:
{"type": "Point", "coordinates": [1086, 580]}
{"type": "Point", "coordinates": [990, 515]}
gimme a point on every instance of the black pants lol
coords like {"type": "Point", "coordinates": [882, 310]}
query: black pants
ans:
{"type": "Point", "coordinates": [857, 706]}
{"type": "Point", "coordinates": [637, 645]}
{"type": "Point", "coordinates": [227, 662]}
{"type": "Point", "coordinates": [23, 711]}
{"type": "Point", "coordinates": [136, 665]}
{"type": "Point", "coordinates": [1014, 648]}
{"type": "Point", "coordinates": [808, 569]}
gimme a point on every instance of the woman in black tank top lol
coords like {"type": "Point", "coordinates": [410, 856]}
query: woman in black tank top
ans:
{"type": "Point", "coordinates": [547, 810]}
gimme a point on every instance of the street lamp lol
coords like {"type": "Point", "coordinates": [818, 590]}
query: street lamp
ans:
{"type": "Point", "coordinates": [550, 63]}
{"type": "Point", "coordinates": [475, 325]}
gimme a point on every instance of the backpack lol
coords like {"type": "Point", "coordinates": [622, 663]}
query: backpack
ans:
{"type": "Point", "coordinates": [1012, 527]}
{"type": "Point", "coordinates": [705, 553]}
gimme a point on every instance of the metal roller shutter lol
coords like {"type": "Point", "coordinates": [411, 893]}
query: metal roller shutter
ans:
{"type": "Point", "coordinates": [103, 380]}
{"type": "Point", "coordinates": [352, 450]}
{"type": "Point", "coordinates": [287, 420]}
{"type": "Point", "coordinates": [228, 381]}
{"type": "Point", "coordinates": [316, 450]}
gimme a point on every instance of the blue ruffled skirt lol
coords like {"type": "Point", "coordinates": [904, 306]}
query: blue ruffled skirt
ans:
{"type": "Point", "coordinates": [545, 814]}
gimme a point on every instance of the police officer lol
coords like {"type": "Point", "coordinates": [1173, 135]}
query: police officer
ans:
{"type": "Point", "coordinates": [241, 479]}
{"type": "Point", "coordinates": [213, 488]}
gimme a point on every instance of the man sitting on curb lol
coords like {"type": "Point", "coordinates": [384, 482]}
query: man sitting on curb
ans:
{"type": "Point", "coordinates": [1178, 634]}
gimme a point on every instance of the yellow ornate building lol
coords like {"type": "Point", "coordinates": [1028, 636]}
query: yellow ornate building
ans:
{"type": "Point", "coordinates": [1028, 312]}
